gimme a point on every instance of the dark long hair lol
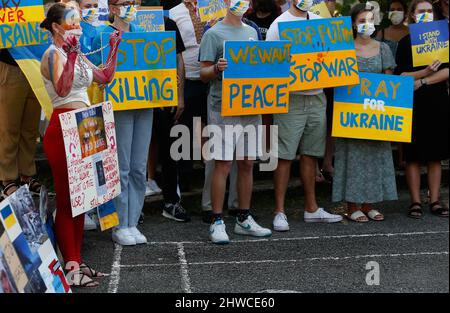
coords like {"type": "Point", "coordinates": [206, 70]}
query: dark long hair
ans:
{"type": "Point", "coordinates": [412, 8]}
{"type": "Point", "coordinates": [357, 10]}
{"type": "Point", "coordinates": [265, 6]}
{"type": "Point", "coordinates": [54, 15]}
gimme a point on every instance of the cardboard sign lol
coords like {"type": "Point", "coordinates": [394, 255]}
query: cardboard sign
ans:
{"type": "Point", "coordinates": [320, 8]}
{"type": "Point", "coordinates": [211, 9]}
{"type": "Point", "coordinates": [429, 42]}
{"type": "Point", "coordinates": [90, 143]}
{"type": "Point", "coordinates": [26, 231]}
{"type": "Point", "coordinates": [12, 261]}
{"type": "Point", "coordinates": [323, 53]}
{"type": "Point", "coordinates": [20, 23]}
{"type": "Point", "coordinates": [107, 216]}
{"type": "Point", "coordinates": [151, 19]}
{"type": "Point", "coordinates": [146, 75]}
{"type": "Point", "coordinates": [257, 78]}
{"type": "Point", "coordinates": [379, 108]}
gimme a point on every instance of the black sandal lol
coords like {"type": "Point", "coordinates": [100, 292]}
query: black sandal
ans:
{"type": "Point", "coordinates": [89, 283]}
{"type": "Point", "coordinates": [415, 211]}
{"type": "Point", "coordinates": [440, 211]}
{"type": "Point", "coordinates": [8, 187]}
{"type": "Point", "coordinates": [34, 186]}
{"type": "Point", "coordinates": [92, 273]}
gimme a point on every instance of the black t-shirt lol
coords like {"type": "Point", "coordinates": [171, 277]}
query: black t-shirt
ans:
{"type": "Point", "coordinates": [6, 57]}
{"type": "Point", "coordinates": [170, 25]}
{"type": "Point", "coordinates": [263, 23]}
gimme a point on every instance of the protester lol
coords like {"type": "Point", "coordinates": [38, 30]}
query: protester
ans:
{"type": "Point", "coordinates": [134, 132]}
{"type": "Point", "coordinates": [304, 129]}
{"type": "Point", "coordinates": [441, 9]}
{"type": "Point", "coordinates": [364, 169]}
{"type": "Point", "coordinates": [430, 128]}
{"type": "Point", "coordinates": [284, 5]}
{"type": "Point", "coordinates": [67, 74]}
{"type": "Point", "coordinates": [397, 29]}
{"type": "Point", "coordinates": [263, 15]}
{"type": "Point", "coordinates": [212, 66]}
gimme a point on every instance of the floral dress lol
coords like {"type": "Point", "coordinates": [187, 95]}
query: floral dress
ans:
{"type": "Point", "coordinates": [364, 169]}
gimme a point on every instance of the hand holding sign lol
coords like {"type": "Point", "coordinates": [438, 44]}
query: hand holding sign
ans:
{"type": "Point", "coordinates": [434, 67]}
{"type": "Point", "coordinates": [221, 65]}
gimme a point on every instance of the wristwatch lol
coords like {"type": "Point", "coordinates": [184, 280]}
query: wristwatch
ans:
{"type": "Point", "coordinates": [423, 81]}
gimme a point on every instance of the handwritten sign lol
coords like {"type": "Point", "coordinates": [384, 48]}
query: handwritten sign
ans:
{"type": "Point", "coordinates": [151, 19]}
{"type": "Point", "coordinates": [12, 261]}
{"type": "Point", "coordinates": [211, 9]}
{"type": "Point", "coordinates": [19, 23]}
{"type": "Point", "coordinates": [90, 143]}
{"type": "Point", "coordinates": [429, 42]}
{"type": "Point", "coordinates": [323, 53]}
{"type": "Point", "coordinates": [379, 108]}
{"type": "Point", "coordinates": [320, 8]}
{"type": "Point", "coordinates": [257, 78]}
{"type": "Point", "coordinates": [146, 75]}
{"type": "Point", "coordinates": [29, 239]}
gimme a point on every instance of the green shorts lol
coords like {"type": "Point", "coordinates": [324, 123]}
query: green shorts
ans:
{"type": "Point", "coordinates": [304, 128]}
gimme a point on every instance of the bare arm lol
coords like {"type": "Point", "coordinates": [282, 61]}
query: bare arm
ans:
{"type": "Point", "coordinates": [181, 78]}
{"type": "Point", "coordinates": [430, 69]}
{"type": "Point", "coordinates": [209, 70]}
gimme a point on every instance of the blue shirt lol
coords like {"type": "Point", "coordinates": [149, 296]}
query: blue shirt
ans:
{"type": "Point", "coordinates": [87, 38]}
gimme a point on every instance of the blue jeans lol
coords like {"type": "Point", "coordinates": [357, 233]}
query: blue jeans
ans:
{"type": "Point", "coordinates": [134, 132]}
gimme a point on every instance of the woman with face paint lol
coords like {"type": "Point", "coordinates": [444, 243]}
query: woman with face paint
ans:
{"type": "Point", "coordinates": [430, 128]}
{"type": "Point", "coordinates": [134, 132]}
{"type": "Point", "coordinates": [397, 30]}
{"type": "Point", "coordinates": [364, 169]}
{"type": "Point", "coordinates": [67, 74]}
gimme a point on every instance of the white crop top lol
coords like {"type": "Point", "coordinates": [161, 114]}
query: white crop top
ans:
{"type": "Point", "coordinates": [79, 87]}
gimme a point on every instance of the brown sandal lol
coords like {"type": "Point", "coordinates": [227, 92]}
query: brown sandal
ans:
{"type": "Point", "coordinates": [9, 189]}
{"type": "Point", "coordinates": [91, 272]}
{"type": "Point", "coordinates": [83, 281]}
{"type": "Point", "coordinates": [437, 209]}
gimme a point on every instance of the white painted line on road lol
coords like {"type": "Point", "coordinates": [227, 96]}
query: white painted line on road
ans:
{"type": "Point", "coordinates": [327, 258]}
{"type": "Point", "coordinates": [185, 281]}
{"type": "Point", "coordinates": [115, 269]}
{"type": "Point", "coordinates": [306, 238]}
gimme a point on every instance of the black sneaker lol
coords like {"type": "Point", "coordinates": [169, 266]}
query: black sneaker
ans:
{"type": "Point", "coordinates": [176, 212]}
{"type": "Point", "coordinates": [207, 217]}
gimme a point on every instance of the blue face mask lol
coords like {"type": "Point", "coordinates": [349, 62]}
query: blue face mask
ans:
{"type": "Point", "coordinates": [304, 5]}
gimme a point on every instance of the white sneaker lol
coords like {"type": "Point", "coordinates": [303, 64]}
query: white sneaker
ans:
{"type": "Point", "coordinates": [89, 224]}
{"type": "Point", "coordinates": [123, 237]}
{"type": "Point", "coordinates": [280, 222]}
{"type": "Point", "coordinates": [250, 228]}
{"type": "Point", "coordinates": [321, 216]}
{"type": "Point", "coordinates": [152, 188]}
{"type": "Point", "coordinates": [218, 234]}
{"type": "Point", "coordinates": [140, 239]}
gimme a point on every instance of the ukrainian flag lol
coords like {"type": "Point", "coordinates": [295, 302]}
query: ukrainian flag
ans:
{"type": "Point", "coordinates": [9, 220]}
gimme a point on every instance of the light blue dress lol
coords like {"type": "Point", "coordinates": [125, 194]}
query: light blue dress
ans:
{"type": "Point", "coordinates": [364, 169]}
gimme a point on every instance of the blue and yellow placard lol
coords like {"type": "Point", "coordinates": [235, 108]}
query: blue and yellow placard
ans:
{"type": "Point", "coordinates": [429, 42]}
{"type": "Point", "coordinates": [211, 9]}
{"type": "Point", "coordinates": [320, 8]}
{"type": "Point", "coordinates": [151, 19]}
{"type": "Point", "coordinates": [323, 53]}
{"type": "Point", "coordinates": [379, 108]}
{"type": "Point", "coordinates": [257, 78]}
{"type": "Point", "coordinates": [20, 23]}
{"type": "Point", "coordinates": [146, 75]}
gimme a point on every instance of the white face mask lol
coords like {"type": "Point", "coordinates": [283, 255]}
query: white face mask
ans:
{"type": "Point", "coordinates": [366, 29]}
{"type": "Point", "coordinates": [239, 7]}
{"type": "Point", "coordinates": [424, 17]}
{"type": "Point", "coordinates": [90, 16]}
{"type": "Point", "coordinates": [72, 32]}
{"type": "Point", "coordinates": [128, 13]}
{"type": "Point", "coordinates": [304, 5]}
{"type": "Point", "coordinates": [396, 17]}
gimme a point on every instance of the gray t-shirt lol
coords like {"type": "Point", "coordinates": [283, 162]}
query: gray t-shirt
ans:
{"type": "Point", "coordinates": [211, 49]}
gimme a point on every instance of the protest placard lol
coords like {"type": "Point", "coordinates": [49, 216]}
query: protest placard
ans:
{"type": "Point", "coordinates": [211, 9]}
{"type": "Point", "coordinates": [323, 53]}
{"type": "Point", "coordinates": [146, 75]}
{"type": "Point", "coordinates": [257, 78]}
{"type": "Point", "coordinates": [20, 23]}
{"type": "Point", "coordinates": [7, 283]}
{"type": "Point", "coordinates": [12, 260]}
{"type": "Point", "coordinates": [26, 231]}
{"type": "Point", "coordinates": [107, 215]}
{"type": "Point", "coordinates": [151, 19]}
{"type": "Point", "coordinates": [90, 143]}
{"type": "Point", "coordinates": [320, 8]}
{"type": "Point", "coordinates": [429, 42]}
{"type": "Point", "coordinates": [379, 108]}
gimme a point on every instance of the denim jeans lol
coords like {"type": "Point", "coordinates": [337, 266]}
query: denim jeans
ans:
{"type": "Point", "coordinates": [134, 132]}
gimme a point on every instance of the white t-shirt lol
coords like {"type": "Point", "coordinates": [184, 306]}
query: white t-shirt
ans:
{"type": "Point", "coordinates": [273, 34]}
{"type": "Point", "coordinates": [180, 15]}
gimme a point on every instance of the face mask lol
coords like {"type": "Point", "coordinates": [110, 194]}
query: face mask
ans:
{"type": "Point", "coordinates": [72, 32]}
{"type": "Point", "coordinates": [304, 5]}
{"type": "Point", "coordinates": [90, 16]}
{"type": "Point", "coordinates": [128, 13]}
{"type": "Point", "coordinates": [396, 17]}
{"type": "Point", "coordinates": [366, 29]}
{"type": "Point", "coordinates": [239, 7]}
{"type": "Point", "coordinates": [424, 17]}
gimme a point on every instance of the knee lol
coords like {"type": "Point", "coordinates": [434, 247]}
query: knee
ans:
{"type": "Point", "coordinates": [222, 167]}
{"type": "Point", "coordinates": [245, 166]}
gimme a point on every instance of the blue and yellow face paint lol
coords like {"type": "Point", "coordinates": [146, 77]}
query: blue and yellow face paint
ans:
{"type": "Point", "coordinates": [379, 108]}
{"type": "Point", "coordinates": [90, 16]}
